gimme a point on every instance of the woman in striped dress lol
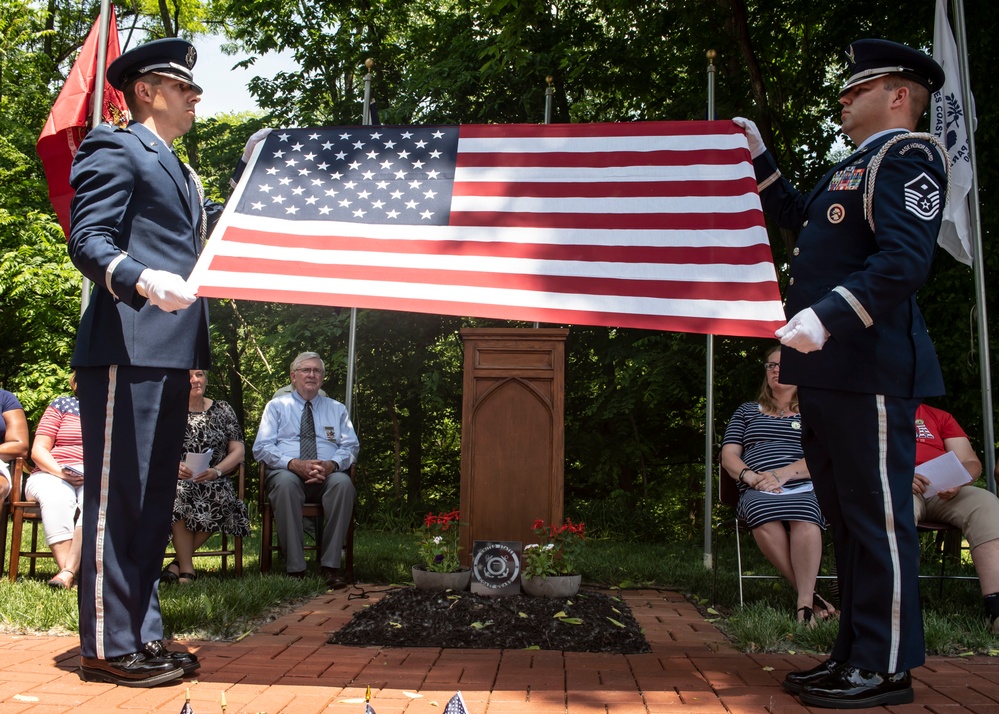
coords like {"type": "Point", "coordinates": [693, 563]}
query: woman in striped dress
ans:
{"type": "Point", "coordinates": [762, 451]}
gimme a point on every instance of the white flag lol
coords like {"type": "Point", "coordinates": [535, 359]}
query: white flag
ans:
{"type": "Point", "coordinates": [951, 114]}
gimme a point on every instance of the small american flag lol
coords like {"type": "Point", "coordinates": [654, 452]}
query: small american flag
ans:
{"type": "Point", "coordinates": [456, 705]}
{"type": "Point", "coordinates": [649, 224]}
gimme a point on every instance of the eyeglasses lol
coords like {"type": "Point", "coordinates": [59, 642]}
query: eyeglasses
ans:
{"type": "Point", "coordinates": [310, 370]}
{"type": "Point", "coordinates": [771, 366]}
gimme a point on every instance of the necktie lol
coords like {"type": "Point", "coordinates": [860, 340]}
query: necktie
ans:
{"type": "Point", "coordinates": [307, 434]}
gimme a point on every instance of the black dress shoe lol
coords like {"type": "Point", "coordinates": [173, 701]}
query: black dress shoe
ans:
{"type": "Point", "coordinates": [794, 682]}
{"type": "Point", "coordinates": [132, 670]}
{"type": "Point", "coordinates": [852, 688]}
{"type": "Point", "coordinates": [334, 580]}
{"type": "Point", "coordinates": [187, 660]}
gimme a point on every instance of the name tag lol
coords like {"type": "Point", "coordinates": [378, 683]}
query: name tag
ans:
{"type": "Point", "coordinates": [846, 179]}
{"type": "Point", "coordinates": [330, 432]}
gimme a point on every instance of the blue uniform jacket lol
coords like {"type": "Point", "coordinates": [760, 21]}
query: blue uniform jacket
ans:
{"type": "Point", "coordinates": [133, 210]}
{"type": "Point", "coordinates": [860, 281]}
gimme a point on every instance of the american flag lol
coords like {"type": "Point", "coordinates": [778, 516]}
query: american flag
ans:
{"type": "Point", "coordinates": [649, 224]}
{"type": "Point", "coordinates": [456, 705]}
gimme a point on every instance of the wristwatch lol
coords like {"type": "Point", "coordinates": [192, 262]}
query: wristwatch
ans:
{"type": "Point", "coordinates": [218, 471]}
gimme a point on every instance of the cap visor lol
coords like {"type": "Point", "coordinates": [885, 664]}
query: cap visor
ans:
{"type": "Point", "coordinates": [171, 75]}
{"type": "Point", "coordinates": [851, 83]}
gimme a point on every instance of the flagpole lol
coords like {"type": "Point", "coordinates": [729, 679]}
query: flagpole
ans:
{"type": "Point", "coordinates": [978, 262]}
{"type": "Point", "coordinates": [549, 93]}
{"type": "Point", "coordinates": [98, 117]}
{"type": "Point", "coordinates": [709, 411]}
{"type": "Point", "coordinates": [348, 397]}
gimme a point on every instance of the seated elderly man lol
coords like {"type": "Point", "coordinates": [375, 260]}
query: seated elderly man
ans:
{"type": "Point", "coordinates": [308, 444]}
{"type": "Point", "coordinates": [974, 510]}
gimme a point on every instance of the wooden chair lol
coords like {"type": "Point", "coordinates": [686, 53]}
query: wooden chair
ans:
{"type": "Point", "coordinates": [5, 515]}
{"type": "Point", "coordinates": [23, 509]}
{"type": "Point", "coordinates": [225, 551]}
{"type": "Point", "coordinates": [310, 510]}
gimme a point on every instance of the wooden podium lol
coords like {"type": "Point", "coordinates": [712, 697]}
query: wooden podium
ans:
{"type": "Point", "coordinates": [512, 433]}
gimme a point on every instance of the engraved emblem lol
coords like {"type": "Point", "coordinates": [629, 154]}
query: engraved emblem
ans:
{"type": "Point", "coordinates": [922, 197]}
{"type": "Point", "coordinates": [836, 213]}
{"type": "Point", "coordinates": [850, 55]}
{"type": "Point", "coordinates": [191, 58]}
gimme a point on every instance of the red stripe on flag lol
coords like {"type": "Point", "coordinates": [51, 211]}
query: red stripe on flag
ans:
{"type": "Point", "coordinates": [599, 189]}
{"type": "Point", "coordinates": [666, 255]}
{"type": "Point", "coordinates": [600, 130]}
{"type": "Point", "coordinates": [574, 285]}
{"type": "Point", "coordinates": [670, 323]}
{"type": "Point", "coordinates": [609, 221]}
{"type": "Point", "coordinates": [602, 159]}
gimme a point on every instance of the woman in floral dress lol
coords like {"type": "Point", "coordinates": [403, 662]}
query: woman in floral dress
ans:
{"type": "Point", "coordinates": [206, 502]}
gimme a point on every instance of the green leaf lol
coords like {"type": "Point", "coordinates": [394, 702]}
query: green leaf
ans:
{"type": "Point", "coordinates": [571, 620]}
{"type": "Point", "coordinates": [522, 614]}
{"type": "Point", "coordinates": [615, 622]}
{"type": "Point", "coordinates": [481, 625]}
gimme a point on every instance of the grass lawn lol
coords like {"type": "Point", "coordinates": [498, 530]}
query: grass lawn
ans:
{"type": "Point", "coordinates": [221, 606]}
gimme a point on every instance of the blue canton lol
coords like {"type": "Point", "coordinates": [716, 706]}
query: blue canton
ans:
{"type": "Point", "coordinates": [391, 175]}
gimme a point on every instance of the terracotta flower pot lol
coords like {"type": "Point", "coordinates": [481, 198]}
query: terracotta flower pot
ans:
{"type": "Point", "coordinates": [425, 579]}
{"type": "Point", "coordinates": [551, 586]}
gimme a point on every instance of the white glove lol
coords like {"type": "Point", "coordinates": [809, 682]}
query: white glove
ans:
{"type": "Point", "coordinates": [753, 136]}
{"type": "Point", "coordinates": [803, 332]}
{"type": "Point", "coordinates": [167, 291]}
{"type": "Point", "coordinates": [254, 139]}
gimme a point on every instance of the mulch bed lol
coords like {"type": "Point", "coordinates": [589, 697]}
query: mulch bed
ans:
{"type": "Point", "coordinates": [587, 622]}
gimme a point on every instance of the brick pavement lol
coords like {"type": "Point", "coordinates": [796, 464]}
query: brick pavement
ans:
{"type": "Point", "coordinates": [285, 667]}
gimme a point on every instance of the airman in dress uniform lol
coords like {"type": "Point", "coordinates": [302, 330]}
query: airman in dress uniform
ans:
{"type": "Point", "coordinates": [138, 221]}
{"type": "Point", "coordinates": [862, 359]}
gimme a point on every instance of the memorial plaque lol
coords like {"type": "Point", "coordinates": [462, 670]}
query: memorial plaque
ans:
{"type": "Point", "coordinates": [496, 567]}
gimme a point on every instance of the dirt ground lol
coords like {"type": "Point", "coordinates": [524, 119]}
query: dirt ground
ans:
{"type": "Point", "coordinates": [587, 622]}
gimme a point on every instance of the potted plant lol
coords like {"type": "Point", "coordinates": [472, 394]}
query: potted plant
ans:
{"type": "Point", "coordinates": [440, 568]}
{"type": "Point", "coordinates": [549, 568]}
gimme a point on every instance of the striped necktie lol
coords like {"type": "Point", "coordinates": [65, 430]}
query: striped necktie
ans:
{"type": "Point", "coordinates": [307, 434]}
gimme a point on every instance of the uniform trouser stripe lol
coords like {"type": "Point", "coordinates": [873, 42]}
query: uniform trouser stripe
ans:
{"type": "Point", "coordinates": [889, 510]}
{"type": "Point", "coordinates": [102, 511]}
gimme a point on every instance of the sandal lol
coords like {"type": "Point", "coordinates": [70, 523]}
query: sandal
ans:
{"type": "Point", "coordinates": [168, 576]}
{"type": "Point", "coordinates": [186, 578]}
{"type": "Point", "coordinates": [820, 603]}
{"type": "Point", "coordinates": [807, 618]}
{"type": "Point", "coordinates": [58, 583]}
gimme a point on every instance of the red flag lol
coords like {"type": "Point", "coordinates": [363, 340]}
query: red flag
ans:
{"type": "Point", "coordinates": [71, 117]}
{"type": "Point", "coordinates": [654, 225]}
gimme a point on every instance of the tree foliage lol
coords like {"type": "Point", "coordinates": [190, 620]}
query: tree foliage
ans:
{"type": "Point", "coordinates": [636, 404]}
